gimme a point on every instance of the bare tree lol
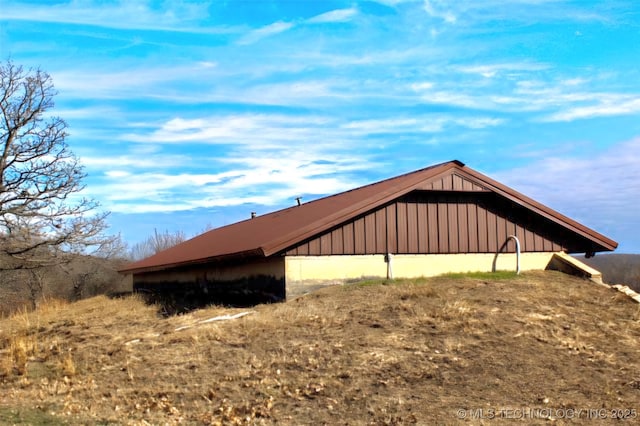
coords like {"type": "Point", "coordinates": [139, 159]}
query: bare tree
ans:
{"type": "Point", "coordinates": [42, 215]}
{"type": "Point", "coordinates": [156, 243]}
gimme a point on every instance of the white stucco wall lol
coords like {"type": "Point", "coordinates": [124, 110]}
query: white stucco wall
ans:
{"type": "Point", "coordinates": [305, 273]}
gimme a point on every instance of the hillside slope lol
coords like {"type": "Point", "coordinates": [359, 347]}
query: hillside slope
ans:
{"type": "Point", "coordinates": [444, 350]}
{"type": "Point", "coordinates": [617, 268]}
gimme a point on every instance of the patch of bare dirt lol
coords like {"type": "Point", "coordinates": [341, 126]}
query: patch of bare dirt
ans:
{"type": "Point", "coordinates": [533, 348]}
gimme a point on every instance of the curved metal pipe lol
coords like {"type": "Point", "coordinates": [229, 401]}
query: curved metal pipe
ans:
{"type": "Point", "coordinates": [517, 252]}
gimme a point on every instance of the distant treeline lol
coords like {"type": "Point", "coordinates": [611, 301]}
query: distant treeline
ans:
{"type": "Point", "coordinates": [79, 278]}
{"type": "Point", "coordinates": [617, 268]}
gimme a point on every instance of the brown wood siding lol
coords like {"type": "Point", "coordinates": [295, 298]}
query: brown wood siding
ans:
{"type": "Point", "coordinates": [483, 246]}
{"type": "Point", "coordinates": [381, 231]}
{"type": "Point", "coordinates": [492, 232]}
{"type": "Point", "coordinates": [401, 225]}
{"type": "Point", "coordinates": [442, 222]}
{"type": "Point", "coordinates": [472, 228]}
{"type": "Point", "coordinates": [348, 235]}
{"type": "Point", "coordinates": [432, 223]}
{"type": "Point", "coordinates": [370, 245]}
{"type": "Point", "coordinates": [337, 241]}
{"type": "Point", "coordinates": [314, 246]}
{"type": "Point", "coordinates": [443, 228]}
{"type": "Point", "coordinates": [412, 228]}
{"type": "Point", "coordinates": [325, 244]}
{"type": "Point", "coordinates": [392, 228]}
{"type": "Point", "coordinates": [423, 228]}
{"type": "Point", "coordinates": [453, 182]}
{"type": "Point", "coordinates": [454, 229]}
{"type": "Point", "coordinates": [463, 224]}
{"type": "Point", "coordinates": [501, 226]}
{"type": "Point", "coordinates": [359, 236]}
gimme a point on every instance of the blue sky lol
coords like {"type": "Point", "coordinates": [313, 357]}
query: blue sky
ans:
{"type": "Point", "coordinates": [192, 114]}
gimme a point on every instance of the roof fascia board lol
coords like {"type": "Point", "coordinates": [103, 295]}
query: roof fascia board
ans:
{"type": "Point", "coordinates": [226, 257]}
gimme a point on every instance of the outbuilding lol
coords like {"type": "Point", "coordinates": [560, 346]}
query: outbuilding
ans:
{"type": "Point", "coordinates": [440, 219]}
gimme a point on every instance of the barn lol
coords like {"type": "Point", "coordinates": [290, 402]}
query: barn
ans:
{"type": "Point", "coordinates": [443, 218]}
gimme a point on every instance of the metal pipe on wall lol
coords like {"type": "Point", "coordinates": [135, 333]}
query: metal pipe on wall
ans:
{"type": "Point", "coordinates": [387, 259]}
{"type": "Point", "coordinates": [517, 252]}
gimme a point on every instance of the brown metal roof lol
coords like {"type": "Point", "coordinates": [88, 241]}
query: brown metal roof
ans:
{"type": "Point", "coordinates": [271, 233]}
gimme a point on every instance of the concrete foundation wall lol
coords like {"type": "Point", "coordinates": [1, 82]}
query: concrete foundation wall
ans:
{"type": "Point", "coordinates": [307, 273]}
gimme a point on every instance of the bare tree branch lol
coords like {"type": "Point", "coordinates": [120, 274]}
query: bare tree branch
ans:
{"type": "Point", "coordinates": [42, 215]}
{"type": "Point", "coordinates": [156, 243]}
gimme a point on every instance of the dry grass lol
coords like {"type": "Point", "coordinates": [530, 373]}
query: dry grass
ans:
{"type": "Point", "coordinates": [399, 353]}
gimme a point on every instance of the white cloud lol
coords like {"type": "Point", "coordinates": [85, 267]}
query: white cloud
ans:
{"type": "Point", "coordinates": [267, 180]}
{"type": "Point", "coordinates": [422, 124]}
{"type": "Point", "coordinates": [257, 130]}
{"type": "Point", "coordinates": [180, 16]}
{"type": "Point", "coordinates": [491, 70]}
{"type": "Point", "coordinates": [436, 9]}
{"type": "Point", "coordinates": [124, 81]}
{"type": "Point", "coordinates": [264, 32]}
{"type": "Point", "coordinates": [425, 85]}
{"type": "Point", "coordinates": [606, 105]}
{"type": "Point", "coordinates": [133, 162]}
{"type": "Point", "coordinates": [600, 190]}
{"type": "Point", "coordinates": [338, 15]}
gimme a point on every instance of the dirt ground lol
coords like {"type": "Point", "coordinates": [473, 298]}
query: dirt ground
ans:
{"type": "Point", "coordinates": [533, 348]}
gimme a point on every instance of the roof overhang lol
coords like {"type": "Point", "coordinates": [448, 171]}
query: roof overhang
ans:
{"type": "Point", "coordinates": [228, 258]}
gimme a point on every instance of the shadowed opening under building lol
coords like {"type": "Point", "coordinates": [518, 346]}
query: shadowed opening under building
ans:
{"type": "Point", "coordinates": [179, 297]}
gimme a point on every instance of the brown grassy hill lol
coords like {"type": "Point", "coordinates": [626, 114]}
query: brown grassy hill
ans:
{"type": "Point", "coordinates": [500, 347]}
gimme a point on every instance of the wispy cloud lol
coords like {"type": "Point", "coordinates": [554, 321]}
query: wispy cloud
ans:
{"type": "Point", "coordinates": [176, 16]}
{"type": "Point", "coordinates": [492, 70]}
{"type": "Point", "coordinates": [604, 105]}
{"type": "Point", "coordinates": [272, 182]}
{"type": "Point", "coordinates": [600, 190]}
{"type": "Point", "coordinates": [338, 15]}
{"type": "Point", "coordinates": [264, 32]}
{"type": "Point", "coordinates": [438, 9]}
{"type": "Point", "coordinates": [237, 129]}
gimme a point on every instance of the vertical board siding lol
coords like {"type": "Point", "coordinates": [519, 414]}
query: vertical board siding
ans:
{"type": "Point", "coordinates": [463, 224]}
{"type": "Point", "coordinates": [492, 232]}
{"type": "Point", "coordinates": [510, 230]}
{"type": "Point", "coordinates": [403, 244]}
{"type": "Point", "coordinates": [412, 228]}
{"type": "Point", "coordinates": [443, 228]}
{"type": "Point", "coordinates": [483, 247]}
{"type": "Point", "coordinates": [501, 226]}
{"type": "Point", "coordinates": [454, 229]}
{"type": "Point", "coordinates": [458, 183]}
{"type": "Point", "coordinates": [440, 221]}
{"type": "Point", "coordinates": [359, 236]}
{"type": "Point", "coordinates": [381, 231]}
{"type": "Point", "coordinates": [314, 247]}
{"type": "Point", "coordinates": [432, 223]}
{"type": "Point", "coordinates": [337, 241]}
{"type": "Point", "coordinates": [472, 223]}
{"type": "Point", "coordinates": [447, 183]}
{"type": "Point", "coordinates": [326, 247]}
{"type": "Point", "coordinates": [423, 229]}
{"type": "Point", "coordinates": [370, 245]}
{"type": "Point", "coordinates": [348, 235]}
{"type": "Point", "coordinates": [392, 229]}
